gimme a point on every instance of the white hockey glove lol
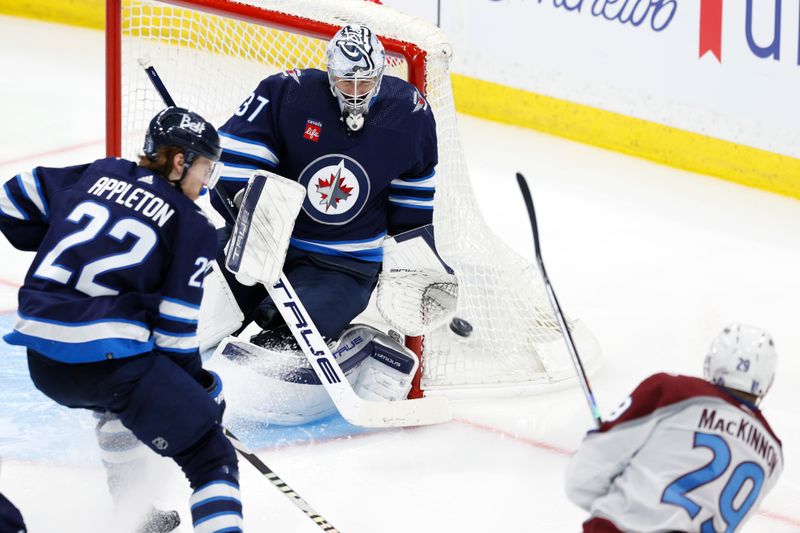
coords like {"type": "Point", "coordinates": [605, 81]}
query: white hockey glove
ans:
{"type": "Point", "coordinates": [257, 247]}
{"type": "Point", "coordinates": [417, 291]}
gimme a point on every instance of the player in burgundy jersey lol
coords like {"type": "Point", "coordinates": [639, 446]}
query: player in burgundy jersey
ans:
{"type": "Point", "coordinates": [683, 453]}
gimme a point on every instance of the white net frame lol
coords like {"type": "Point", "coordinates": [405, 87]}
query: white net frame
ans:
{"type": "Point", "coordinates": [212, 53]}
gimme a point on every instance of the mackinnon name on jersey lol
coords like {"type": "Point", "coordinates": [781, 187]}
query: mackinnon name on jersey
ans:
{"type": "Point", "coordinates": [744, 430]}
{"type": "Point", "coordinates": [137, 199]}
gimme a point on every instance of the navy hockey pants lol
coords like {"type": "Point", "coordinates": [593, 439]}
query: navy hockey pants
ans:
{"type": "Point", "coordinates": [10, 517]}
{"type": "Point", "coordinates": [153, 396]}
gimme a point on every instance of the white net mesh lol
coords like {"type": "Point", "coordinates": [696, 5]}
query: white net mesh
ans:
{"type": "Point", "coordinates": [211, 62]}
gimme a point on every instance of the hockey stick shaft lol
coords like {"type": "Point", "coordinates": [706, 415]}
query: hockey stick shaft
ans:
{"type": "Point", "coordinates": [276, 480]}
{"type": "Point", "coordinates": [162, 91]}
{"type": "Point", "coordinates": [559, 314]}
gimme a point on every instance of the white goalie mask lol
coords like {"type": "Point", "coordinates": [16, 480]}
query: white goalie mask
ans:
{"type": "Point", "coordinates": [742, 358]}
{"type": "Point", "coordinates": [356, 60]}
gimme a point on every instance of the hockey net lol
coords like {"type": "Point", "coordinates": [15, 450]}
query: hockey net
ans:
{"type": "Point", "coordinates": [212, 53]}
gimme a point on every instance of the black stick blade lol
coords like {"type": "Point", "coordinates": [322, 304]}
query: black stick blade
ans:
{"type": "Point", "coordinates": [526, 196]}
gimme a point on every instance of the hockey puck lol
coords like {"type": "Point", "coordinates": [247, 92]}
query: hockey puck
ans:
{"type": "Point", "coordinates": [461, 327]}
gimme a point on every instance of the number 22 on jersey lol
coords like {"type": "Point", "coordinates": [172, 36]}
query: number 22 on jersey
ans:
{"type": "Point", "coordinates": [98, 215]}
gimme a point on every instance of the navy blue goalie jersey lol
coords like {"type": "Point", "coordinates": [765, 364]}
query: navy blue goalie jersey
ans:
{"type": "Point", "coordinates": [359, 186]}
{"type": "Point", "coordinates": [120, 261]}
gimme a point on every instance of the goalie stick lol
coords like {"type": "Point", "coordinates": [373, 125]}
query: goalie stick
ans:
{"type": "Point", "coordinates": [354, 409]}
{"type": "Point", "coordinates": [551, 295]}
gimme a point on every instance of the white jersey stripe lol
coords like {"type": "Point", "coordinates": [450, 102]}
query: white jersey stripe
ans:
{"type": "Point", "coordinates": [175, 342]}
{"type": "Point", "coordinates": [344, 246]}
{"type": "Point", "coordinates": [175, 308]}
{"type": "Point", "coordinates": [422, 184]}
{"type": "Point", "coordinates": [7, 205]}
{"type": "Point", "coordinates": [428, 204]}
{"type": "Point", "coordinates": [31, 187]}
{"type": "Point", "coordinates": [74, 333]}
{"type": "Point", "coordinates": [236, 172]}
{"type": "Point", "coordinates": [253, 150]}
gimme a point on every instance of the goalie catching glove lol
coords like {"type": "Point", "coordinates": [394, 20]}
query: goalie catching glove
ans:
{"type": "Point", "coordinates": [257, 247]}
{"type": "Point", "coordinates": [417, 290]}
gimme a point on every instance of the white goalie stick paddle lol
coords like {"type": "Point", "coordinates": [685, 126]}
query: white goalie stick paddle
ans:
{"type": "Point", "coordinates": [276, 480]}
{"type": "Point", "coordinates": [559, 314]}
{"type": "Point", "coordinates": [357, 411]}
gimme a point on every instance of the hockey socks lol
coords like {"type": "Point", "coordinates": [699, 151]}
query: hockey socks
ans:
{"type": "Point", "coordinates": [217, 506]}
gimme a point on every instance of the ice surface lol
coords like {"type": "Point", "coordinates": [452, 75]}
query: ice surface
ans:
{"type": "Point", "coordinates": [655, 261]}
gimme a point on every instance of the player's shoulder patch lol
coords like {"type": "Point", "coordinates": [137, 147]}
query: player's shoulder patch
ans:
{"type": "Point", "coordinates": [293, 73]}
{"type": "Point", "coordinates": [418, 101]}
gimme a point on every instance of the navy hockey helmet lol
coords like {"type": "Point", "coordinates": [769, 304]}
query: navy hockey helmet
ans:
{"type": "Point", "coordinates": [356, 61]}
{"type": "Point", "coordinates": [177, 126]}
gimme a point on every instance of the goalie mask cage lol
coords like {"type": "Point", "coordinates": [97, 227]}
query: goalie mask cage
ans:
{"type": "Point", "coordinates": [212, 53]}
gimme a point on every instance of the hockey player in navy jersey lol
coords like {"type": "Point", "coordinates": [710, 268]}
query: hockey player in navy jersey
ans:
{"type": "Point", "coordinates": [10, 518]}
{"type": "Point", "coordinates": [108, 311]}
{"type": "Point", "coordinates": [363, 145]}
{"type": "Point", "coordinates": [683, 453]}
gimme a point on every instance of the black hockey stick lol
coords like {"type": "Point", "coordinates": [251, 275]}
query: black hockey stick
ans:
{"type": "Point", "coordinates": [240, 447]}
{"type": "Point", "coordinates": [162, 91]}
{"type": "Point", "coordinates": [276, 480]}
{"type": "Point", "coordinates": [551, 295]}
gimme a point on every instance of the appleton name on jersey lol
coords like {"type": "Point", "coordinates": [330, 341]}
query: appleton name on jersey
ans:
{"type": "Point", "coordinates": [680, 454]}
{"type": "Point", "coordinates": [121, 258]}
{"type": "Point", "coordinates": [359, 186]}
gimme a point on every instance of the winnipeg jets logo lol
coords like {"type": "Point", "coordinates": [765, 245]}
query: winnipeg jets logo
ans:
{"type": "Point", "coordinates": [419, 102]}
{"type": "Point", "coordinates": [333, 190]}
{"type": "Point", "coordinates": [292, 73]}
{"type": "Point", "coordinates": [356, 46]}
{"type": "Point", "coordinates": [337, 189]}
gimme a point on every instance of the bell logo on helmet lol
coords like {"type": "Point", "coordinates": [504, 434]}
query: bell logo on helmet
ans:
{"type": "Point", "coordinates": [197, 127]}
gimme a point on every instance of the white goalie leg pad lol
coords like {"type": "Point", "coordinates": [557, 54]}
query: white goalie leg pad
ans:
{"type": "Point", "coordinates": [275, 387]}
{"type": "Point", "coordinates": [388, 371]}
{"type": "Point", "coordinates": [278, 387]}
{"type": "Point", "coordinates": [219, 313]}
{"type": "Point", "coordinates": [257, 247]}
{"type": "Point", "coordinates": [417, 291]}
